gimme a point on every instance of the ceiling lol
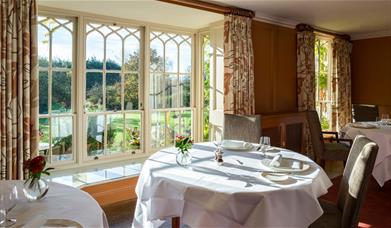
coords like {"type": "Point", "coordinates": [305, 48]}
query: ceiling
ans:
{"type": "Point", "coordinates": [348, 16]}
{"type": "Point", "coordinates": [353, 17]}
{"type": "Point", "coordinates": [141, 10]}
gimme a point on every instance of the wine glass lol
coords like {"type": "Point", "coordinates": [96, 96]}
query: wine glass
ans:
{"type": "Point", "coordinates": [8, 198]}
{"type": "Point", "coordinates": [264, 142]}
{"type": "Point", "coordinates": [384, 118]}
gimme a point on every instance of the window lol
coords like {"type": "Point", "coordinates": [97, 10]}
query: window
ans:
{"type": "Point", "coordinates": [170, 87]}
{"type": "Point", "coordinates": [324, 100]}
{"type": "Point", "coordinates": [56, 100]}
{"type": "Point", "coordinates": [97, 108]}
{"type": "Point", "coordinates": [112, 89]}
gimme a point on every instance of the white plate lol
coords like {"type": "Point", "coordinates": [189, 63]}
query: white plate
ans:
{"type": "Point", "coordinates": [247, 146]}
{"type": "Point", "coordinates": [286, 165]}
{"type": "Point", "coordinates": [61, 223]}
{"type": "Point", "coordinates": [277, 177]}
{"type": "Point", "coordinates": [364, 125]}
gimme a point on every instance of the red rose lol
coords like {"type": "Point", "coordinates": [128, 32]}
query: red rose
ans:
{"type": "Point", "coordinates": [37, 164]}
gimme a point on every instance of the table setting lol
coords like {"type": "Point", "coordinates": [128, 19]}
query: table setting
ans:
{"type": "Point", "coordinates": [35, 202]}
{"type": "Point", "coordinates": [230, 183]}
{"type": "Point", "coordinates": [380, 132]}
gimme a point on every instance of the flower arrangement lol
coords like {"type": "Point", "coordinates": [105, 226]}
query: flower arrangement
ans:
{"type": "Point", "coordinates": [35, 168]}
{"type": "Point", "coordinates": [134, 137]}
{"type": "Point", "coordinates": [183, 143]}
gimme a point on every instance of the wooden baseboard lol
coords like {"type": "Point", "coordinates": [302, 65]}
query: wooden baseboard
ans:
{"type": "Point", "coordinates": [113, 191]}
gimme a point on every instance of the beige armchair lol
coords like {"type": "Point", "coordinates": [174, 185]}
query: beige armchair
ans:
{"type": "Point", "coordinates": [240, 127]}
{"type": "Point", "coordinates": [333, 150]}
{"type": "Point", "coordinates": [352, 191]}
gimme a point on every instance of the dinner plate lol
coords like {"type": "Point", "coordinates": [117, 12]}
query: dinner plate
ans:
{"type": "Point", "coordinates": [246, 147]}
{"type": "Point", "coordinates": [363, 125]}
{"type": "Point", "coordinates": [286, 165]}
{"type": "Point", "coordinates": [61, 223]}
{"type": "Point", "coordinates": [276, 177]}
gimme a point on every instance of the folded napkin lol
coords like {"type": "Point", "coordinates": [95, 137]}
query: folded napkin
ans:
{"type": "Point", "coordinates": [234, 143]}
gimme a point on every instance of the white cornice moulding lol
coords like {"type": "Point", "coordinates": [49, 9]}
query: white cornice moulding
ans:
{"type": "Point", "coordinates": [378, 34]}
{"type": "Point", "coordinates": [276, 20]}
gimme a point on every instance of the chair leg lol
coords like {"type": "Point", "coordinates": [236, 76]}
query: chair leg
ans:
{"type": "Point", "coordinates": [322, 163]}
{"type": "Point", "coordinates": [175, 222]}
{"type": "Point", "coordinates": [344, 164]}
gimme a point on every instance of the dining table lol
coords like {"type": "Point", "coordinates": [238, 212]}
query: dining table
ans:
{"type": "Point", "coordinates": [380, 133]}
{"type": "Point", "coordinates": [63, 204]}
{"type": "Point", "coordinates": [239, 192]}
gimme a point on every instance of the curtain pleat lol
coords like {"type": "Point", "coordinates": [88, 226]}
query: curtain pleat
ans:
{"type": "Point", "coordinates": [342, 89]}
{"type": "Point", "coordinates": [238, 66]}
{"type": "Point", "coordinates": [306, 81]}
{"type": "Point", "coordinates": [18, 86]}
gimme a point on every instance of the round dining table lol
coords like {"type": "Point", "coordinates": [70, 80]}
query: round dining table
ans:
{"type": "Point", "coordinates": [232, 194]}
{"type": "Point", "coordinates": [60, 203]}
{"type": "Point", "coordinates": [381, 135]}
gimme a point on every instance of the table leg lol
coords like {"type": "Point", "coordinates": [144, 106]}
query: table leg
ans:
{"type": "Point", "coordinates": [175, 222]}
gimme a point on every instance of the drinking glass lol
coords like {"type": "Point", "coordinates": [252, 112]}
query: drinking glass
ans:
{"type": "Point", "coordinates": [264, 142]}
{"type": "Point", "coordinates": [8, 198]}
{"type": "Point", "coordinates": [378, 119]}
{"type": "Point", "coordinates": [384, 118]}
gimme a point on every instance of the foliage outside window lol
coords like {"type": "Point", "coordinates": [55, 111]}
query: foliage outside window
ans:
{"type": "Point", "coordinates": [112, 84]}
{"type": "Point", "coordinates": [170, 87]}
{"type": "Point", "coordinates": [206, 55]}
{"type": "Point", "coordinates": [323, 81]}
{"type": "Point", "coordinates": [55, 57]}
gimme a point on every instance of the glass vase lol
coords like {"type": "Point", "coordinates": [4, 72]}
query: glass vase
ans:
{"type": "Point", "coordinates": [35, 189]}
{"type": "Point", "coordinates": [183, 158]}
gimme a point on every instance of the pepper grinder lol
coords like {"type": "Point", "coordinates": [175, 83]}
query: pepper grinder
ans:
{"type": "Point", "coordinates": [219, 156]}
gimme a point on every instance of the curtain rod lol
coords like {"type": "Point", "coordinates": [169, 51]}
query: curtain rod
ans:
{"type": "Point", "coordinates": [211, 7]}
{"type": "Point", "coordinates": [305, 27]}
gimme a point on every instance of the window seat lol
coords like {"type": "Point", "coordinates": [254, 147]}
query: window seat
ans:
{"type": "Point", "coordinates": [108, 183]}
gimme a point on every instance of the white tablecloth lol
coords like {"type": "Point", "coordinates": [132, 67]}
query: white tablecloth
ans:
{"type": "Point", "coordinates": [382, 136]}
{"type": "Point", "coordinates": [61, 202]}
{"type": "Point", "coordinates": [232, 195]}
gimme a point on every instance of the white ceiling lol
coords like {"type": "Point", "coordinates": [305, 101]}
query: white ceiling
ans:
{"type": "Point", "coordinates": [343, 16]}
{"type": "Point", "coordinates": [141, 10]}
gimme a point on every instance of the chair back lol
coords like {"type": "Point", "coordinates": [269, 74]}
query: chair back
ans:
{"type": "Point", "coordinates": [355, 179]}
{"type": "Point", "coordinates": [241, 127]}
{"type": "Point", "coordinates": [316, 133]}
{"type": "Point", "coordinates": [363, 112]}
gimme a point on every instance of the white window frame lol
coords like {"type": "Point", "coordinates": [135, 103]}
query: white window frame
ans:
{"type": "Point", "coordinates": [78, 83]}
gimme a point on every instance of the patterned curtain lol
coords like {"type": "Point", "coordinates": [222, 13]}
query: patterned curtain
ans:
{"type": "Point", "coordinates": [238, 66]}
{"type": "Point", "coordinates": [342, 86]}
{"type": "Point", "coordinates": [306, 80]}
{"type": "Point", "coordinates": [18, 86]}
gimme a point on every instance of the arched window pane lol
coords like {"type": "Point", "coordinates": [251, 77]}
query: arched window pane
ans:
{"type": "Point", "coordinates": [94, 51]}
{"type": "Point", "coordinates": [62, 48]}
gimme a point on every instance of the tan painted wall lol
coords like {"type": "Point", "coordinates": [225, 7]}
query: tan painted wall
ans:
{"type": "Point", "coordinates": [371, 71]}
{"type": "Point", "coordinates": [274, 68]}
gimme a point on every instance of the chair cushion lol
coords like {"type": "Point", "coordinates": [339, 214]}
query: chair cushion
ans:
{"type": "Point", "coordinates": [336, 151]}
{"type": "Point", "coordinates": [331, 217]}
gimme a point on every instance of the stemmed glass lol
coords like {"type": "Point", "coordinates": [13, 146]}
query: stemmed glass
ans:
{"type": "Point", "coordinates": [264, 144]}
{"type": "Point", "coordinates": [8, 198]}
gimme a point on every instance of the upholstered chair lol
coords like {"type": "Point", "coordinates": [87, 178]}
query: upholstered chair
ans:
{"type": "Point", "coordinates": [353, 187]}
{"type": "Point", "coordinates": [240, 127]}
{"type": "Point", "coordinates": [363, 112]}
{"type": "Point", "coordinates": [334, 149]}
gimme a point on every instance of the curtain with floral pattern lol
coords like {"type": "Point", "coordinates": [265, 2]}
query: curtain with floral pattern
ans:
{"type": "Point", "coordinates": [18, 86]}
{"type": "Point", "coordinates": [342, 86]}
{"type": "Point", "coordinates": [306, 80]}
{"type": "Point", "coordinates": [238, 66]}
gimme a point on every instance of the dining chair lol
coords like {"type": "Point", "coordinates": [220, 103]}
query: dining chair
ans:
{"type": "Point", "coordinates": [353, 187]}
{"type": "Point", "coordinates": [335, 149]}
{"type": "Point", "coordinates": [242, 127]}
{"type": "Point", "coordinates": [364, 112]}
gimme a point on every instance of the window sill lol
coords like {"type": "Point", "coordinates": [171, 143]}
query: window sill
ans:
{"type": "Point", "coordinates": [98, 174]}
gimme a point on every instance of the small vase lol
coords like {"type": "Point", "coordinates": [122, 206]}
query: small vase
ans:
{"type": "Point", "coordinates": [183, 158]}
{"type": "Point", "coordinates": [35, 189]}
